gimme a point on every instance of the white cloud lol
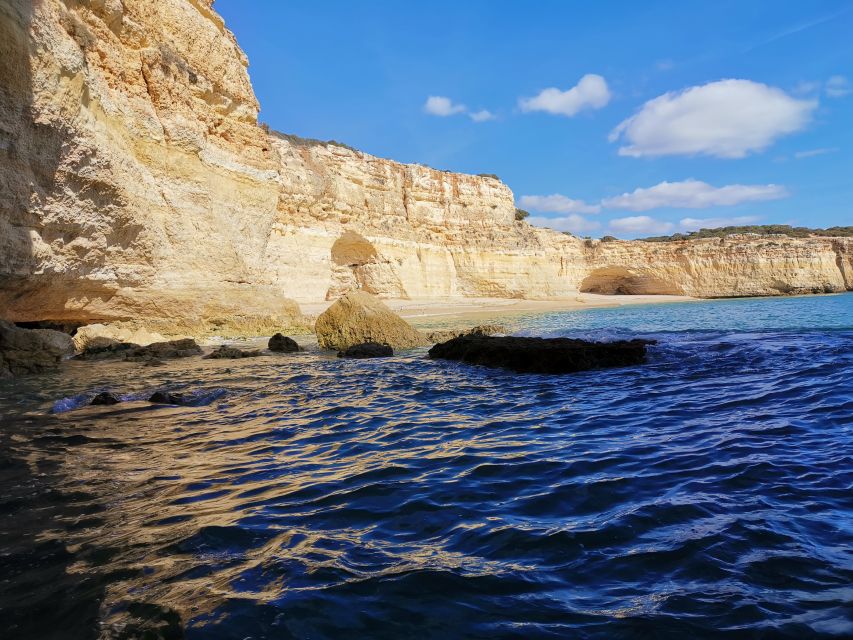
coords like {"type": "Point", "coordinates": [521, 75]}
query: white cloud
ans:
{"type": "Point", "coordinates": [557, 203]}
{"type": "Point", "coordinates": [807, 87]}
{"type": "Point", "coordinates": [573, 223]}
{"type": "Point", "coordinates": [727, 119]}
{"type": "Point", "coordinates": [693, 194]}
{"type": "Point", "coordinates": [442, 106]}
{"type": "Point", "coordinates": [483, 115]}
{"type": "Point", "coordinates": [590, 93]}
{"type": "Point", "coordinates": [838, 87]}
{"type": "Point", "coordinates": [810, 153]}
{"type": "Point", "coordinates": [694, 224]}
{"type": "Point", "coordinates": [634, 225]}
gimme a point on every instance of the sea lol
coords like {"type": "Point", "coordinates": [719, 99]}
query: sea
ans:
{"type": "Point", "coordinates": [705, 494]}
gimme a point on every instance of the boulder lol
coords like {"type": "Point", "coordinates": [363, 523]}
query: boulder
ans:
{"type": "Point", "coordinates": [231, 353]}
{"type": "Point", "coordinates": [282, 344]}
{"type": "Point", "coordinates": [359, 317]}
{"type": "Point", "coordinates": [170, 349]}
{"type": "Point", "coordinates": [479, 330]}
{"type": "Point", "coordinates": [105, 398]}
{"type": "Point", "coordinates": [169, 397]}
{"type": "Point", "coordinates": [541, 355]}
{"type": "Point", "coordinates": [25, 351]}
{"type": "Point", "coordinates": [102, 348]}
{"type": "Point", "coordinates": [367, 350]}
{"type": "Point", "coordinates": [91, 334]}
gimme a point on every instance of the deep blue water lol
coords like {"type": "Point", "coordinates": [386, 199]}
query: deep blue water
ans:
{"type": "Point", "coordinates": [707, 494]}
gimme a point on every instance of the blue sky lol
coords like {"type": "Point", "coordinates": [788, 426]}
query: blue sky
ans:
{"type": "Point", "coordinates": [623, 118]}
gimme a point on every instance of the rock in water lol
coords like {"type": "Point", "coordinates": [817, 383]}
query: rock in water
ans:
{"type": "Point", "coordinates": [541, 355]}
{"type": "Point", "coordinates": [359, 317]}
{"type": "Point", "coordinates": [282, 344]}
{"type": "Point", "coordinates": [93, 335]}
{"type": "Point", "coordinates": [231, 353]}
{"type": "Point", "coordinates": [444, 335]}
{"type": "Point", "coordinates": [25, 351]}
{"type": "Point", "coordinates": [169, 397]}
{"type": "Point", "coordinates": [105, 398]}
{"type": "Point", "coordinates": [164, 350]}
{"type": "Point", "coordinates": [367, 350]}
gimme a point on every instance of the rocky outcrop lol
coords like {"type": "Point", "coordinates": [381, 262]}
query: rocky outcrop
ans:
{"type": "Point", "coordinates": [359, 317]}
{"type": "Point", "coordinates": [138, 185]}
{"type": "Point", "coordinates": [480, 330]}
{"type": "Point", "coordinates": [24, 351]}
{"type": "Point", "coordinates": [541, 355]}
{"type": "Point", "coordinates": [168, 350]}
{"type": "Point", "coordinates": [367, 350]}
{"type": "Point", "coordinates": [95, 335]}
{"type": "Point", "coordinates": [280, 343]}
{"type": "Point", "coordinates": [231, 353]}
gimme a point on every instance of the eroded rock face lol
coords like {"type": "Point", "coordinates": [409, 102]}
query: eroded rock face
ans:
{"type": "Point", "coordinates": [541, 355]}
{"type": "Point", "coordinates": [359, 317]}
{"type": "Point", "coordinates": [137, 184]}
{"type": "Point", "coordinates": [24, 351]}
{"type": "Point", "coordinates": [94, 335]}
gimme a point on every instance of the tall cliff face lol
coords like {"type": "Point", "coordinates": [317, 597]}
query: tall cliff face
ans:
{"type": "Point", "coordinates": [141, 186]}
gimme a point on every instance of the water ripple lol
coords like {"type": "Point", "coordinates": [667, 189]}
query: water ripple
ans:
{"type": "Point", "coordinates": [706, 494]}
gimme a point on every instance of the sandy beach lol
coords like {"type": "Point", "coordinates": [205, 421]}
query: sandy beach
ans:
{"type": "Point", "coordinates": [424, 311]}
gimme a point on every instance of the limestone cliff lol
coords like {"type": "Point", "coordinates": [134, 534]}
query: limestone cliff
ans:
{"type": "Point", "coordinates": [138, 184]}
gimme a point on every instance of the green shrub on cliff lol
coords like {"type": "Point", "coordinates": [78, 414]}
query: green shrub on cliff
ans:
{"type": "Point", "coordinates": [760, 229]}
{"type": "Point", "coordinates": [521, 214]}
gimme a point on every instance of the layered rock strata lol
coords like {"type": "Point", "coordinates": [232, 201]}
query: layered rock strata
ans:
{"type": "Point", "coordinates": [138, 185]}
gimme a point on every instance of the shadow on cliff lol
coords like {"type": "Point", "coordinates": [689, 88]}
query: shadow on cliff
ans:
{"type": "Point", "coordinates": [29, 157]}
{"type": "Point", "coordinates": [30, 154]}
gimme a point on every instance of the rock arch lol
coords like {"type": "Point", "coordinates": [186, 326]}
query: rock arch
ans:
{"type": "Point", "coordinates": [356, 264]}
{"type": "Point", "coordinates": [624, 281]}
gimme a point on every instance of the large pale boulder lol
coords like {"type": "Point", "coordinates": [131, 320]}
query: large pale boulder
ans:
{"type": "Point", "coordinates": [97, 334]}
{"type": "Point", "coordinates": [25, 351]}
{"type": "Point", "coordinates": [359, 317]}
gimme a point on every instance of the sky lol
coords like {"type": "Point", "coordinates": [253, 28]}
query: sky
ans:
{"type": "Point", "coordinates": [605, 118]}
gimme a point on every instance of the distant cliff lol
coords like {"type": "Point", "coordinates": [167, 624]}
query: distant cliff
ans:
{"type": "Point", "coordinates": [138, 184]}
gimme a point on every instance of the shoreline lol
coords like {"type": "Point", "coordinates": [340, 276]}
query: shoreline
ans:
{"type": "Point", "coordinates": [432, 310]}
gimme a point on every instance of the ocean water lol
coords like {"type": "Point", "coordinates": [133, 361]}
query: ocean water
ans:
{"type": "Point", "coordinates": [706, 494]}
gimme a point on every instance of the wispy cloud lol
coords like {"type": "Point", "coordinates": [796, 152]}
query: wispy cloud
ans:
{"type": "Point", "coordinates": [694, 224]}
{"type": "Point", "coordinates": [693, 194]}
{"type": "Point", "coordinates": [635, 225]}
{"type": "Point", "coordinates": [838, 87]}
{"type": "Point", "coordinates": [442, 106]}
{"type": "Point", "coordinates": [797, 28]}
{"type": "Point", "coordinates": [573, 223]}
{"type": "Point", "coordinates": [557, 203]}
{"type": "Point", "coordinates": [483, 115]}
{"type": "Point", "coordinates": [811, 153]}
{"type": "Point", "coordinates": [726, 119]}
{"type": "Point", "coordinates": [590, 93]}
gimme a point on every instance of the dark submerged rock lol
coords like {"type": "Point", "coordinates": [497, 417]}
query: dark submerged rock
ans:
{"type": "Point", "coordinates": [170, 349]}
{"type": "Point", "coordinates": [541, 355]}
{"type": "Point", "coordinates": [105, 398]}
{"type": "Point", "coordinates": [169, 397]}
{"type": "Point", "coordinates": [105, 349]}
{"type": "Point", "coordinates": [367, 350]}
{"type": "Point", "coordinates": [231, 353]}
{"type": "Point", "coordinates": [282, 344]}
{"type": "Point", "coordinates": [480, 330]}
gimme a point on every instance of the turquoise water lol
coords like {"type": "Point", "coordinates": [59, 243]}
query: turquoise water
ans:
{"type": "Point", "coordinates": [706, 494]}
